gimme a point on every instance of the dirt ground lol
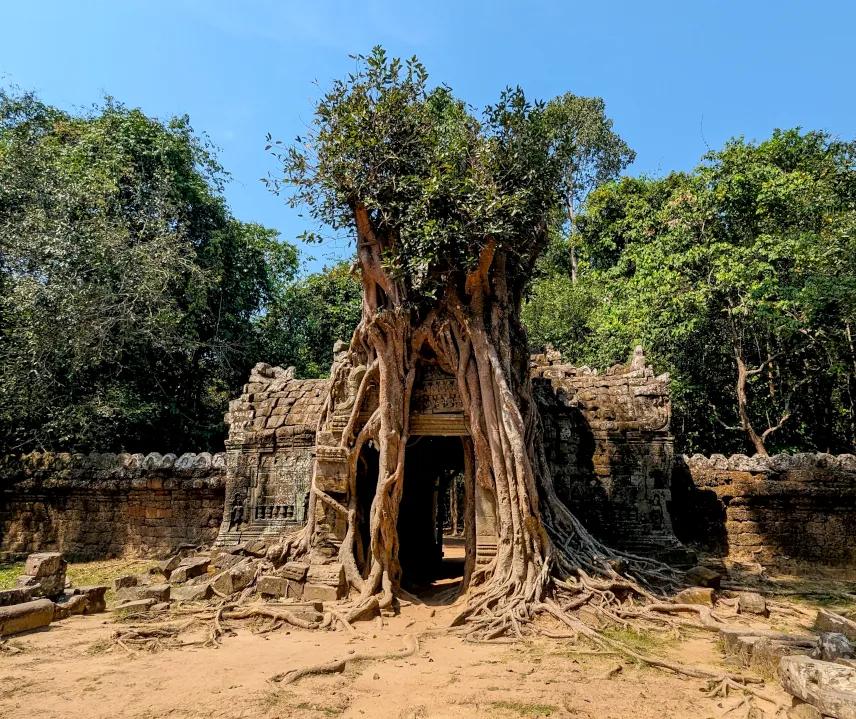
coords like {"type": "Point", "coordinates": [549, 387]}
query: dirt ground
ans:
{"type": "Point", "coordinates": [72, 669]}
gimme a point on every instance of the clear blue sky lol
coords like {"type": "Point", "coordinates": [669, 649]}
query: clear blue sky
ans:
{"type": "Point", "coordinates": [674, 75]}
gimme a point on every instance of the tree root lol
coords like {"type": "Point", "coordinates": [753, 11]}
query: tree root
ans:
{"type": "Point", "coordinates": [338, 665]}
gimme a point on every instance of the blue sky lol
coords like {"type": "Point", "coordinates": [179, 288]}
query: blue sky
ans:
{"type": "Point", "coordinates": [676, 76]}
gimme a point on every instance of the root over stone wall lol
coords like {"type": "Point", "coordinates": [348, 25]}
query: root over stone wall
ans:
{"type": "Point", "coordinates": [106, 505]}
{"type": "Point", "coordinates": [768, 509]}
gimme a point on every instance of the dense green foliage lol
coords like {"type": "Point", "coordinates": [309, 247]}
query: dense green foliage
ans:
{"type": "Point", "coordinates": [129, 293]}
{"type": "Point", "coordinates": [738, 279]}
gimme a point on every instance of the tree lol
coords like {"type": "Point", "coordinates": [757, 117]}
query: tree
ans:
{"type": "Point", "coordinates": [588, 151]}
{"type": "Point", "coordinates": [739, 278]}
{"type": "Point", "coordinates": [308, 317]}
{"type": "Point", "coordinates": [449, 214]}
{"type": "Point", "coordinates": [128, 292]}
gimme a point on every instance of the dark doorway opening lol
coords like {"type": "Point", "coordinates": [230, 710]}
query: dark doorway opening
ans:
{"type": "Point", "coordinates": [429, 560]}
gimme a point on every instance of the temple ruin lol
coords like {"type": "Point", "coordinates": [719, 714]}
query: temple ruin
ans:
{"type": "Point", "coordinates": [607, 437]}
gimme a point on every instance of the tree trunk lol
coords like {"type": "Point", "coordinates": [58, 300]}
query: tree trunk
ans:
{"type": "Point", "coordinates": [475, 336]}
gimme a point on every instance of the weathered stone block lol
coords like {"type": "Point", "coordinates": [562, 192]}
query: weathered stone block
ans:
{"type": "Point", "coordinates": [827, 621]}
{"type": "Point", "coordinates": [695, 595]}
{"type": "Point", "coordinates": [158, 592]}
{"type": "Point", "coordinates": [295, 571]}
{"type": "Point", "coordinates": [95, 597]}
{"type": "Point", "coordinates": [703, 577]}
{"type": "Point", "coordinates": [192, 592]}
{"type": "Point", "coordinates": [322, 592]}
{"type": "Point", "coordinates": [69, 605]}
{"type": "Point", "coordinates": [134, 606]}
{"type": "Point", "coordinates": [16, 596]}
{"type": "Point", "coordinates": [752, 603]}
{"type": "Point", "coordinates": [831, 688]}
{"type": "Point", "coordinates": [44, 564]}
{"type": "Point", "coordinates": [167, 566]}
{"type": "Point", "coordinates": [272, 586]}
{"type": "Point", "coordinates": [25, 617]}
{"type": "Point", "coordinates": [332, 575]}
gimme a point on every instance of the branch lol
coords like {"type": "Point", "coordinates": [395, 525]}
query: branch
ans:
{"type": "Point", "coordinates": [727, 426]}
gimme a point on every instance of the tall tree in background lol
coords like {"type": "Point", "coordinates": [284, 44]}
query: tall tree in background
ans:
{"type": "Point", "coordinates": [738, 278]}
{"type": "Point", "coordinates": [449, 214]}
{"type": "Point", "coordinates": [128, 293]}
{"type": "Point", "coordinates": [589, 152]}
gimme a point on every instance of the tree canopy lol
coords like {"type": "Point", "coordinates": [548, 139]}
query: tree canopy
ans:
{"type": "Point", "coordinates": [737, 278]}
{"type": "Point", "coordinates": [128, 292]}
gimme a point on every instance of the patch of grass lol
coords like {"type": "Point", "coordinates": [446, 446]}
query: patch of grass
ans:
{"type": "Point", "coordinates": [325, 710]}
{"type": "Point", "coordinates": [524, 709]}
{"type": "Point", "coordinates": [641, 641]}
{"type": "Point", "coordinates": [99, 647]}
{"type": "Point", "coordinates": [103, 572]}
{"type": "Point", "coordinates": [9, 574]}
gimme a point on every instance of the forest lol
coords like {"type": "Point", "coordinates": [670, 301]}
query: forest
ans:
{"type": "Point", "coordinates": [133, 303]}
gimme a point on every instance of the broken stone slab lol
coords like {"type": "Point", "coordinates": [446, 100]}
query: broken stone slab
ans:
{"type": "Point", "coordinates": [256, 548]}
{"type": "Point", "coordinates": [189, 568]}
{"type": "Point", "coordinates": [160, 607]}
{"type": "Point", "coordinates": [273, 586]}
{"type": "Point", "coordinates": [192, 593]}
{"type": "Point", "coordinates": [762, 649]}
{"type": "Point", "coordinates": [832, 646]}
{"type": "Point", "coordinates": [752, 603]}
{"type": "Point", "coordinates": [137, 605]}
{"type": "Point", "coordinates": [332, 575]}
{"type": "Point", "coordinates": [69, 605]}
{"type": "Point", "coordinates": [831, 688]}
{"type": "Point", "coordinates": [19, 595]}
{"type": "Point", "coordinates": [26, 617]}
{"type": "Point", "coordinates": [235, 578]}
{"type": "Point", "coordinates": [95, 597]}
{"type": "Point", "coordinates": [827, 621]}
{"type": "Point", "coordinates": [703, 577]}
{"type": "Point", "coordinates": [695, 595]}
{"type": "Point", "coordinates": [225, 560]}
{"type": "Point", "coordinates": [167, 566]}
{"type": "Point", "coordinates": [128, 580]}
{"type": "Point", "coordinates": [159, 592]}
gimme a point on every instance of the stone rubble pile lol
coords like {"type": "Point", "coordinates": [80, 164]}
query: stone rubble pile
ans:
{"type": "Point", "coordinates": [818, 671]}
{"type": "Point", "coordinates": [43, 595]}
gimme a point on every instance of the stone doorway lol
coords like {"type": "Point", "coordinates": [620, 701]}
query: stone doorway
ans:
{"type": "Point", "coordinates": [430, 560]}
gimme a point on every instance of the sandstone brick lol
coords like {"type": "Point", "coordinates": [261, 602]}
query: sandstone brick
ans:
{"type": "Point", "coordinates": [25, 617]}
{"type": "Point", "coordinates": [322, 592]}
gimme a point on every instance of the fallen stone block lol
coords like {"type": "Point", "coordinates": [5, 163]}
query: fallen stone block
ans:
{"type": "Point", "coordinates": [158, 592]}
{"type": "Point", "coordinates": [695, 595]}
{"type": "Point", "coordinates": [752, 603]}
{"type": "Point", "coordinates": [26, 617]}
{"type": "Point", "coordinates": [832, 646]}
{"type": "Point", "coordinates": [803, 710]}
{"type": "Point", "coordinates": [135, 606]}
{"type": "Point", "coordinates": [296, 571]}
{"type": "Point", "coordinates": [19, 595]}
{"type": "Point", "coordinates": [762, 649]}
{"type": "Point", "coordinates": [256, 548]}
{"type": "Point", "coordinates": [225, 560]}
{"type": "Point", "coordinates": [69, 605]}
{"type": "Point", "coordinates": [192, 593]}
{"type": "Point", "coordinates": [274, 586]}
{"type": "Point", "coordinates": [333, 575]}
{"type": "Point", "coordinates": [235, 578]}
{"type": "Point", "coordinates": [129, 580]}
{"type": "Point", "coordinates": [95, 597]}
{"type": "Point", "coordinates": [160, 607]}
{"type": "Point", "coordinates": [703, 577]}
{"type": "Point", "coordinates": [189, 568]}
{"type": "Point", "coordinates": [167, 566]}
{"type": "Point", "coordinates": [830, 688]}
{"type": "Point", "coordinates": [827, 621]}
{"type": "Point", "coordinates": [322, 592]}
{"type": "Point", "coordinates": [44, 564]}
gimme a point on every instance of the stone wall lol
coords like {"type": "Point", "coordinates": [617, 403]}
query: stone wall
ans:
{"type": "Point", "coordinates": [105, 505]}
{"type": "Point", "coordinates": [768, 509]}
{"type": "Point", "coordinates": [610, 448]}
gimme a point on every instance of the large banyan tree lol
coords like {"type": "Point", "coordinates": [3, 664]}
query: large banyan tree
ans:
{"type": "Point", "coordinates": [449, 213]}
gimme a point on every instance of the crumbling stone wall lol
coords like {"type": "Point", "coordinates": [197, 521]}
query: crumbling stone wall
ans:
{"type": "Point", "coordinates": [611, 451]}
{"type": "Point", "coordinates": [106, 505]}
{"type": "Point", "coordinates": [768, 509]}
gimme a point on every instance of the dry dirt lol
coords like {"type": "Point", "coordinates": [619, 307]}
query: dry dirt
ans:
{"type": "Point", "coordinates": [72, 669]}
